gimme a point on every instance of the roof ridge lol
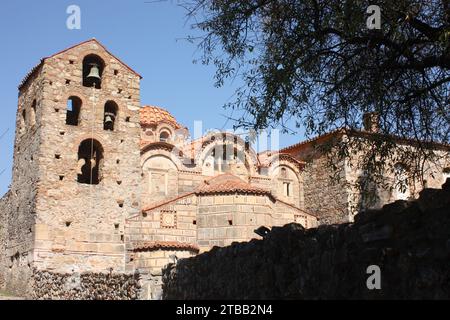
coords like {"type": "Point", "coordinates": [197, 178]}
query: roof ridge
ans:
{"type": "Point", "coordinates": [226, 186]}
{"type": "Point", "coordinates": [162, 203]}
{"type": "Point", "coordinates": [295, 207]}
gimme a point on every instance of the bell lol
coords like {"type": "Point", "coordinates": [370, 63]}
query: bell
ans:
{"type": "Point", "coordinates": [109, 120]}
{"type": "Point", "coordinates": [94, 74]}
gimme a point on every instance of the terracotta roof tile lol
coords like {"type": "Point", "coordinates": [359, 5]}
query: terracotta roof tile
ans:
{"type": "Point", "coordinates": [314, 139]}
{"type": "Point", "coordinates": [153, 115]}
{"type": "Point", "coordinates": [194, 147]}
{"type": "Point", "coordinates": [158, 245]}
{"type": "Point", "coordinates": [224, 184]}
{"type": "Point", "coordinates": [228, 183]}
{"type": "Point", "coordinates": [340, 131]}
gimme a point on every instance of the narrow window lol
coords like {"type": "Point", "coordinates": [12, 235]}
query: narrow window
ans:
{"type": "Point", "coordinates": [73, 111]}
{"type": "Point", "coordinates": [164, 136]}
{"type": "Point", "coordinates": [90, 160]}
{"type": "Point", "coordinates": [287, 189]}
{"type": "Point", "coordinates": [110, 115]}
{"type": "Point", "coordinates": [33, 114]}
{"type": "Point", "coordinates": [23, 122]}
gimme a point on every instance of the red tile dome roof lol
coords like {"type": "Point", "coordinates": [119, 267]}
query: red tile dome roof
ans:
{"type": "Point", "coordinates": [150, 115]}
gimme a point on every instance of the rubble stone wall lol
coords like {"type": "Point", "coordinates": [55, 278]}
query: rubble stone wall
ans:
{"type": "Point", "coordinates": [85, 286]}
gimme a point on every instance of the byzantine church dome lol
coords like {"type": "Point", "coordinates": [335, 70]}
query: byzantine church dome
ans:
{"type": "Point", "coordinates": [152, 115]}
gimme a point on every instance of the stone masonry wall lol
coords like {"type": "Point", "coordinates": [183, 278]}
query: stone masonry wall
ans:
{"type": "Point", "coordinates": [323, 197]}
{"type": "Point", "coordinates": [82, 226]}
{"type": "Point", "coordinates": [409, 241]}
{"type": "Point", "coordinates": [85, 286]}
{"type": "Point", "coordinates": [5, 208]}
{"type": "Point", "coordinates": [227, 218]}
{"type": "Point", "coordinates": [387, 191]}
{"type": "Point", "coordinates": [20, 207]}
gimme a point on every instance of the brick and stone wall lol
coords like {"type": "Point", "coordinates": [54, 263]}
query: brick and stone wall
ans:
{"type": "Point", "coordinates": [53, 222]}
{"type": "Point", "coordinates": [409, 241]}
{"type": "Point", "coordinates": [325, 197]}
{"type": "Point", "coordinates": [334, 195]}
{"type": "Point", "coordinates": [227, 218]}
{"type": "Point", "coordinates": [47, 285]}
{"type": "Point", "coordinates": [150, 263]}
{"type": "Point", "coordinates": [81, 226]}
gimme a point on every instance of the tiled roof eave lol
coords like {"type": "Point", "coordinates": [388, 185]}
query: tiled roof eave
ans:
{"type": "Point", "coordinates": [296, 208]}
{"type": "Point", "coordinates": [33, 71]}
{"type": "Point", "coordinates": [367, 134]}
{"type": "Point", "coordinates": [163, 245]}
{"type": "Point", "coordinates": [235, 191]}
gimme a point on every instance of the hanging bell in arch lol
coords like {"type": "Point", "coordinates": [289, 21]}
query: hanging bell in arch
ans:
{"type": "Point", "coordinates": [94, 74]}
{"type": "Point", "coordinates": [109, 121]}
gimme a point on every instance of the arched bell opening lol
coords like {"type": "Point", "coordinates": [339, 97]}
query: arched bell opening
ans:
{"type": "Point", "coordinates": [93, 67]}
{"type": "Point", "coordinates": [73, 111]}
{"type": "Point", "coordinates": [110, 115]}
{"type": "Point", "coordinates": [90, 161]}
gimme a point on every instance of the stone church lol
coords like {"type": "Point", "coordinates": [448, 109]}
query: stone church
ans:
{"type": "Point", "coordinates": [103, 184]}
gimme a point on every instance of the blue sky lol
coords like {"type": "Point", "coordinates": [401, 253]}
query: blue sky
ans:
{"type": "Point", "coordinates": [146, 35]}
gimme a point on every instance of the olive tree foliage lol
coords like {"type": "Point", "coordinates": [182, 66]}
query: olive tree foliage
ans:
{"type": "Point", "coordinates": [317, 64]}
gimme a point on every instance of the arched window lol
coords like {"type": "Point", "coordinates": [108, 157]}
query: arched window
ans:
{"type": "Point", "coordinates": [286, 184]}
{"type": "Point", "coordinates": [90, 161]}
{"type": "Point", "coordinates": [164, 136]}
{"type": "Point", "coordinates": [73, 111]}
{"type": "Point", "coordinates": [401, 186]}
{"type": "Point", "coordinates": [287, 189]}
{"type": "Point", "coordinates": [110, 115]}
{"type": "Point", "coordinates": [93, 67]}
{"type": "Point", "coordinates": [33, 113]}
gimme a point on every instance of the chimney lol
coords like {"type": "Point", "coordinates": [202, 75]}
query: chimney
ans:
{"type": "Point", "coordinates": [371, 122]}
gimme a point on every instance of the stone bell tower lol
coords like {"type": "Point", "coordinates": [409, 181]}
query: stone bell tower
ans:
{"type": "Point", "coordinates": [76, 165]}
